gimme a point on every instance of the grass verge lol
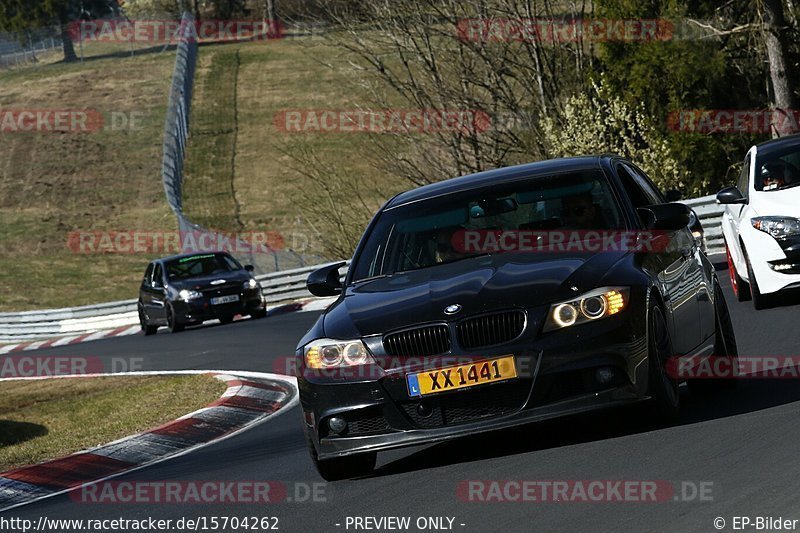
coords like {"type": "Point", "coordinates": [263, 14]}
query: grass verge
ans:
{"type": "Point", "coordinates": [53, 184]}
{"type": "Point", "coordinates": [240, 174]}
{"type": "Point", "coordinates": [46, 419]}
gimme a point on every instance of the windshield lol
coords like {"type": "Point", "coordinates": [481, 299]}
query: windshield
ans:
{"type": "Point", "coordinates": [201, 265]}
{"type": "Point", "coordinates": [425, 234]}
{"type": "Point", "coordinates": [778, 170]}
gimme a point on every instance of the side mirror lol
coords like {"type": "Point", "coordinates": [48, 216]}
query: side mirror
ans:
{"type": "Point", "coordinates": [325, 281]}
{"type": "Point", "coordinates": [673, 195]}
{"type": "Point", "coordinates": [249, 268]}
{"type": "Point", "coordinates": [731, 195]}
{"type": "Point", "coordinates": [667, 217]}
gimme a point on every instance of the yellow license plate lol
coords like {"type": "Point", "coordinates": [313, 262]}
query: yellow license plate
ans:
{"type": "Point", "coordinates": [458, 377]}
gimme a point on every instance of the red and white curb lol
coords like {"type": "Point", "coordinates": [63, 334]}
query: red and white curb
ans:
{"type": "Point", "coordinates": [251, 398]}
{"type": "Point", "coordinates": [70, 339]}
{"type": "Point", "coordinates": [294, 307]}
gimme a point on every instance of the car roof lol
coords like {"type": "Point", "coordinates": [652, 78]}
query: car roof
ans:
{"type": "Point", "coordinates": [497, 177]}
{"type": "Point", "coordinates": [181, 256]}
{"type": "Point", "coordinates": [778, 144]}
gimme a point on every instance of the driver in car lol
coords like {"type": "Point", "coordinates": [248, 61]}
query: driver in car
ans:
{"type": "Point", "coordinates": [777, 174]}
{"type": "Point", "coordinates": [578, 212]}
{"type": "Point", "coordinates": [445, 251]}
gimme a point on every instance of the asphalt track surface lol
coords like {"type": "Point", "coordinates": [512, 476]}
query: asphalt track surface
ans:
{"type": "Point", "coordinates": [745, 441]}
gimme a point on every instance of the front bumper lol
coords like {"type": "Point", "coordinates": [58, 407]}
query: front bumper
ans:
{"type": "Point", "coordinates": [201, 309]}
{"type": "Point", "coordinates": [556, 378]}
{"type": "Point", "coordinates": [764, 253]}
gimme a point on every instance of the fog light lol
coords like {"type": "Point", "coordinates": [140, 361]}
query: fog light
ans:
{"type": "Point", "coordinates": [424, 410]}
{"type": "Point", "coordinates": [604, 375]}
{"type": "Point", "coordinates": [337, 425]}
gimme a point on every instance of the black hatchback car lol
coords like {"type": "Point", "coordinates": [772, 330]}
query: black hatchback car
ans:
{"type": "Point", "coordinates": [188, 289]}
{"type": "Point", "coordinates": [502, 298]}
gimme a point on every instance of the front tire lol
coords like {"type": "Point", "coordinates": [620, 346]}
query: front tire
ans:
{"type": "Point", "coordinates": [146, 328]}
{"type": "Point", "coordinates": [740, 287]}
{"type": "Point", "coordinates": [173, 323]}
{"type": "Point", "coordinates": [724, 346]}
{"type": "Point", "coordinates": [350, 466]}
{"type": "Point", "coordinates": [760, 301]}
{"type": "Point", "coordinates": [663, 389]}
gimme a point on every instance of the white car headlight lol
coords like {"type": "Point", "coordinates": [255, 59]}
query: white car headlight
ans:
{"type": "Point", "coordinates": [778, 227]}
{"type": "Point", "coordinates": [594, 305]}
{"type": "Point", "coordinates": [331, 353]}
{"type": "Point", "coordinates": [187, 294]}
{"type": "Point", "coordinates": [251, 284]}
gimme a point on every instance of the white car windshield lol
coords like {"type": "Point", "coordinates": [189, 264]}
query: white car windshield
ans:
{"type": "Point", "coordinates": [778, 171]}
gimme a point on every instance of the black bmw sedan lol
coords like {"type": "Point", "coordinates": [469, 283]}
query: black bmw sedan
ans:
{"type": "Point", "coordinates": [188, 289]}
{"type": "Point", "coordinates": [506, 297]}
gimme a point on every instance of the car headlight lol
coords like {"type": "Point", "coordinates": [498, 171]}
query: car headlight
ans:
{"type": "Point", "coordinates": [594, 305]}
{"type": "Point", "coordinates": [187, 295]}
{"type": "Point", "coordinates": [251, 284]}
{"type": "Point", "coordinates": [778, 227]}
{"type": "Point", "coordinates": [330, 353]}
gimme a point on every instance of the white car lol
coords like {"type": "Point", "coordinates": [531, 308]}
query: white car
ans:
{"type": "Point", "coordinates": [761, 222]}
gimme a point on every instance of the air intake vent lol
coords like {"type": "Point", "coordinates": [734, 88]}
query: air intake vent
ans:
{"type": "Point", "coordinates": [488, 330]}
{"type": "Point", "coordinates": [428, 340]}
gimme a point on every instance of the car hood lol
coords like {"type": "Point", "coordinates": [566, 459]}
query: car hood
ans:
{"type": "Point", "coordinates": [777, 203]}
{"type": "Point", "coordinates": [204, 282]}
{"type": "Point", "coordinates": [479, 284]}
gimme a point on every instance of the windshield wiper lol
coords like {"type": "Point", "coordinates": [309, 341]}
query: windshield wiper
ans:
{"type": "Point", "coordinates": [456, 260]}
{"type": "Point", "coordinates": [379, 276]}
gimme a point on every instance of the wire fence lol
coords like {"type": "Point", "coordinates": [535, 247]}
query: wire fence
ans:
{"type": "Point", "coordinates": [176, 136]}
{"type": "Point", "coordinates": [17, 49]}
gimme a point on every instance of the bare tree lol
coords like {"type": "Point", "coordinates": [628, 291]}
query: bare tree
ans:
{"type": "Point", "coordinates": [270, 11]}
{"type": "Point", "coordinates": [444, 56]}
{"type": "Point", "coordinates": [769, 30]}
{"type": "Point", "coordinates": [449, 55]}
{"type": "Point", "coordinates": [774, 31]}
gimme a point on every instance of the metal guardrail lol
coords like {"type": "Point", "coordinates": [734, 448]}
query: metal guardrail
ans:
{"type": "Point", "coordinates": [710, 214]}
{"type": "Point", "coordinates": [277, 288]}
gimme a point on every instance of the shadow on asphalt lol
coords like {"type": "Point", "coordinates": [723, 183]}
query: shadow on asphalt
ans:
{"type": "Point", "coordinates": [162, 330]}
{"type": "Point", "coordinates": [786, 298]}
{"type": "Point", "coordinates": [749, 396]}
